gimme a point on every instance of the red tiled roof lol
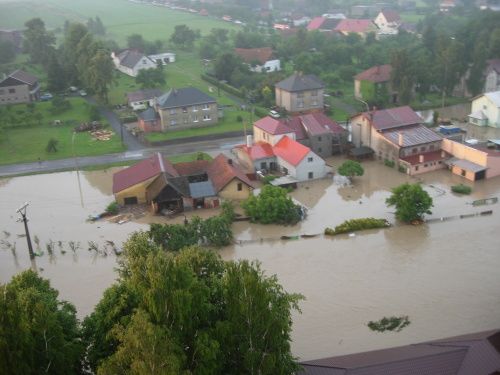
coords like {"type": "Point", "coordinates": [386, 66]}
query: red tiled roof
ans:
{"type": "Point", "coordinates": [191, 168]}
{"type": "Point", "coordinates": [142, 171]}
{"type": "Point", "coordinates": [259, 150]}
{"type": "Point", "coordinates": [295, 125]}
{"type": "Point", "coordinates": [255, 54]}
{"type": "Point", "coordinates": [355, 26]}
{"type": "Point", "coordinates": [379, 73]}
{"type": "Point", "coordinates": [221, 173]}
{"type": "Point", "coordinates": [392, 117]}
{"type": "Point", "coordinates": [291, 151]}
{"type": "Point", "coordinates": [316, 23]}
{"type": "Point", "coordinates": [318, 123]}
{"type": "Point", "coordinates": [272, 126]}
{"type": "Point", "coordinates": [428, 157]}
{"type": "Point", "coordinates": [391, 15]}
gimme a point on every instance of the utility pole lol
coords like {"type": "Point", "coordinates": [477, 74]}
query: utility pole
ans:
{"type": "Point", "coordinates": [22, 211]}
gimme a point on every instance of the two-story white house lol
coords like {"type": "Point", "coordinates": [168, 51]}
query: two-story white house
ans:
{"type": "Point", "coordinates": [486, 110]}
{"type": "Point", "coordinates": [388, 21]}
{"type": "Point", "coordinates": [131, 61]}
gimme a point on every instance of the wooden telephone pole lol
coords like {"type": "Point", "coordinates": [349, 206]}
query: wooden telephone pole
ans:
{"type": "Point", "coordinates": [22, 211]}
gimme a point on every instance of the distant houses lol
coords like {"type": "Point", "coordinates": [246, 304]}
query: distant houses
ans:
{"type": "Point", "coordinates": [388, 21]}
{"type": "Point", "coordinates": [259, 60]}
{"type": "Point", "coordinates": [19, 87]}
{"type": "Point", "coordinates": [300, 93]}
{"type": "Point", "coordinates": [182, 186]}
{"type": "Point", "coordinates": [143, 99]}
{"type": "Point", "coordinates": [361, 27]}
{"type": "Point", "coordinates": [131, 61]}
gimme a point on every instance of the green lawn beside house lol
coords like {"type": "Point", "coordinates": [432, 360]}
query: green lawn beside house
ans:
{"type": "Point", "coordinates": [27, 144]}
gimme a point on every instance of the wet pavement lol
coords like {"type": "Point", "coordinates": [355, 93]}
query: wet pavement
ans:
{"type": "Point", "coordinates": [443, 275]}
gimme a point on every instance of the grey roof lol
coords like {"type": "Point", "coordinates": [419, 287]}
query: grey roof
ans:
{"type": "Point", "coordinates": [201, 189]}
{"type": "Point", "coordinates": [465, 164]}
{"type": "Point", "coordinates": [412, 135]}
{"type": "Point", "coordinates": [22, 77]}
{"type": "Point", "coordinates": [473, 354]}
{"type": "Point", "coordinates": [300, 82]}
{"type": "Point", "coordinates": [130, 57]}
{"type": "Point", "coordinates": [184, 97]}
{"type": "Point", "coordinates": [148, 115]}
{"type": "Point", "coordinates": [146, 94]}
{"type": "Point", "coordinates": [180, 184]}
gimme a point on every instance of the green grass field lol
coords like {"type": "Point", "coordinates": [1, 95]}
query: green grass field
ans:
{"type": "Point", "coordinates": [28, 144]}
{"type": "Point", "coordinates": [120, 17]}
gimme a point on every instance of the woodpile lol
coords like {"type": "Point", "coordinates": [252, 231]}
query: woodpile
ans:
{"type": "Point", "coordinates": [88, 126]}
{"type": "Point", "coordinates": [102, 135]}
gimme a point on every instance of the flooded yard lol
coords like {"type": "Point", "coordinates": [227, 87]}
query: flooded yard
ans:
{"type": "Point", "coordinates": [443, 275]}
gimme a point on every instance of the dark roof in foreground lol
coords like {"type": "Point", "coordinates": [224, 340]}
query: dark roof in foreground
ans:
{"type": "Point", "coordinates": [184, 97]}
{"type": "Point", "coordinates": [145, 94]}
{"type": "Point", "coordinates": [22, 77]}
{"type": "Point", "coordinates": [130, 57]}
{"type": "Point", "coordinates": [392, 117]}
{"type": "Point", "coordinates": [473, 354]}
{"type": "Point", "coordinates": [300, 82]}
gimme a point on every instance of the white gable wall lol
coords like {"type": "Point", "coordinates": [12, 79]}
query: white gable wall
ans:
{"type": "Point", "coordinates": [490, 109]}
{"type": "Point", "coordinates": [311, 163]}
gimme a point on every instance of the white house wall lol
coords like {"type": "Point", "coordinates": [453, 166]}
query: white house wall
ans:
{"type": "Point", "coordinates": [301, 171]}
{"type": "Point", "coordinates": [491, 111]}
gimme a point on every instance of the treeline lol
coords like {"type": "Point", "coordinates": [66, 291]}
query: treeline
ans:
{"type": "Point", "coordinates": [80, 60]}
{"type": "Point", "coordinates": [168, 313]}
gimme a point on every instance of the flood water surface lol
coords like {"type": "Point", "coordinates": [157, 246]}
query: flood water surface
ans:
{"type": "Point", "coordinates": [443, 275]}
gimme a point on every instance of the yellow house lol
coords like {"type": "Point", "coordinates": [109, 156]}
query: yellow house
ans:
{"type": "Point", "coordinates": [228, 179]}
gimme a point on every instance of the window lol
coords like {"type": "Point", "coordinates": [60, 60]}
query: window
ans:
{"type": "Point", "coordinates": [206, 118]}
{"type": "Point", "coordinates": [314, 93]}
{"type": "Point", "coordinates": [426, 165]}
{"type": "Point", "coordinates": [206, 107]}
{"type": "Point", "coordinates": [2, 92]}
{"type": "Point", "coordinates": [12, 91]}
{"type": "Point", "coordinates": [184, 109]}
{"type": "Point", "coordinates": [309, 159]}
{"type": "Point", "coordinates": [319, 139]}
{"type": "Point", "coordinates": [416, 168]}
{"type": "Point", "coordinates": [185, 121]}
{"type": "Point", "coordinates": [414, 150]}
{"type": "Point", "coordinates": [310, 175]}
{"type": "Point", "coordinates": [431, 147]}
{"type": "Point", "coordinates": [320, 150]}
{"type": "Point", "coordinates": [240, 186]}
{"type": "Point", "coordinates": [315, 102]}
{"type": "Point", "coordinates": [300, 104]}
{"type": "Point", "coordinates": [195, 118]}
{"type": "Point", "coordinates": [300, 95]}
{"type": "Point", "coordinates": [464, 172]}
{"type": "Point", "coordinates": [173, 122]}
{"type": "Point", "coordinates": [172, 111]}
{"type": "Point", "coordinates": [195, 108]}
{"type": "Point", "coordinates": [422, 148]}
{"type": "Point", "coordinates": [440, 162]}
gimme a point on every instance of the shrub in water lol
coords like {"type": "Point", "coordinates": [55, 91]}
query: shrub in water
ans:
{"type": "Point", "coordinates": [357, 224]}
{"type": "Point", "coordinates": [461, 189]}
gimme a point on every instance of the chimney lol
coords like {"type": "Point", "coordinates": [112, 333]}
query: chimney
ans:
{"type": "Point", "coordinates": [400, 139]}
{"type": "Point", "coordinates": [249, 141]}
{"type": "Point", "coordinates": [230, 161]}
{"type": "Point", "coordinates": [420, 158]}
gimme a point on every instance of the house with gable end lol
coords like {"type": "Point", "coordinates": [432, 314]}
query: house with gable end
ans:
{"type": "Point", "coordinates": [300, 93]}
{"type": "Point", "coordinates": [388, 21]}
{"type": "Point", "coordinates": [130, 62]}
{"type": "Point", "coordinates": [260, 60]}
{"type": "Point", "coordinates": [19, 87]}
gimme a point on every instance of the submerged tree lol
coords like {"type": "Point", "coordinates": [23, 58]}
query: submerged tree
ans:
{"type": "Point", "coordinates": [351, 168]}
{"type": "Point", "coordinates": [411, 202]}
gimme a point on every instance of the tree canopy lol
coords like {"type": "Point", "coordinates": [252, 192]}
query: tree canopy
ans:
{"type": "Point", "coordinates": [350, 168]}
{"type": "Point", "coordinates": [411, 202]}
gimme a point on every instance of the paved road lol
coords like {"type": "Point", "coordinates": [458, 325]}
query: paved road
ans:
{"type": "Point", "coordinates": [210, 146]}
{"type": "Point", "coordinates": [128, 139]}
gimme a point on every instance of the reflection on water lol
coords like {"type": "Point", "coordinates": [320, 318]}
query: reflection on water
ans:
{"type": "Point", "coordinates": [444, 275]}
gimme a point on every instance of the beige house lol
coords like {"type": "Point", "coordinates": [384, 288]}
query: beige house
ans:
{"type": "Point", "coordinates": [300, 93]}
{"type": "Point", "coordinates": [397, 135]}
{"type": "Point", "coordinates": [19, 87]}
{"type": "Point", "coordinates": [186, 107]}
{"type": "Point", "coordinates": [492, 81]}
{"type": "Point", "coordinates": [486, 110]}
{"type": "Point", "coordinates": [474, 162]}
{"type": "Point", "coordinates": [388, 21]}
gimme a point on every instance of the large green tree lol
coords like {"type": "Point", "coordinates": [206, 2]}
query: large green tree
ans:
{"type": "Point", "coordinates": [38, 42]}
{"type": "Point", "coordinates": [7, 51]}
{"type": "Point", "coordinates": [272, 205]}
{"type": "Point", "coordinates": [100, 74]}
{"type": "Point", "coordinates": [39, 333]}
{"type": "Point", "coordinates": [411, 202]}
{"type": "Point", "coordinates": [149, 78]}
{"type": "Point", "coordinates": [350, 168]}
{"type": "Point", "coordinates": [184, 37]}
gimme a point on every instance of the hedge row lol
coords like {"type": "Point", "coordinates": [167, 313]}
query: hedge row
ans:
{"type": "Point", "coordinates": [356, 225]}
{"type": "Point", "coordinates": [224, 86]}
{"type": "Point", "coordinates": [461, 189]}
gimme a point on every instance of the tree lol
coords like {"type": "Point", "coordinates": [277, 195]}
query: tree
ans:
{"type": "Point", "coordinates": [136, 41]}
{"type": "Point", "coordinates": [71, 56]}
{"type": "Point", "coordinates": [38, 332]}
{"type": "Point", "coordinates": [7, 51]}
{"type": "Point", "coordinates": [225, 65]}
{"type": "Point", "coordinates": [56, 77]}
{"type": "Point", "coordinates": [149, 78]}
{"type": "Point", "coordinates": [350, 168]}
{"type": "Point", "coordinates": [96, 26]}
{"type": "Point", "coordinates": [272, 205]}
{"type": "Point", "coordinates": [402, 75]}
{"type": "Point", "coordinates": [100, 74]}
{"type": "Point", "coordinates": [411, 202]}
{"type": "Point", "coordinates": [183, 36]}
{"type": "Point", "coordinates": [38, 42]}
{"type": "Point", "coordinates": [475, 82]}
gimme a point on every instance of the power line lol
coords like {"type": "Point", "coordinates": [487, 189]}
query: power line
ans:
{"type": "Point", "coordinates": [22, 211]}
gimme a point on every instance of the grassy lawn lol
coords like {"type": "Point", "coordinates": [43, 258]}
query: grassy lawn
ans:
{"type": "Point", "coordinates": [227, 124]}
{"type": "Point", "coordinates": [188, 157]}
{"type": "Point", "coordinates": [185, 71]}
{"type": "Point", "coordinates": [120, 17]}
{"type": "Point", "coordinates": [434, 100]}
{"type": "Point", "coordinates": [20, 145]}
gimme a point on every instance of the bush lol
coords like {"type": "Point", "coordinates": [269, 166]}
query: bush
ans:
{"type": "Point", "coordinates": [239, 118]}
{"type": "Point", "coordinates": [389, 163]}
{"type": "Point", "coordinates": [112, 208]}
{"type": "Point", "coordinates": [60, 105]}
{"type": "Point", "coordinates": [461, 189]}
{"type": "Point", "coordinates": [223, 86]}
{"type": "Point", "coordinates": [94, 114]}
{"type": "Point", "coordinates": [402, 169]}
{"type": "Point", "coordinates": [393, 323]}
{"type": "Point", "coordinates": [266, 180]}
{"type": "Point", "coordinates": [354, 225]}
{"type": "Point", "coordinates": [228, 211]}
{"type": "Point", "coordinates": [51, 145]}
{"type": "Point", "coordinates": [411, 202]}
{"type": "Point", "coordinates": [350, 168]}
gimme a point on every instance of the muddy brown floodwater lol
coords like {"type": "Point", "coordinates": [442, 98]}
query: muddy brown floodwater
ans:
{"type": "Point", "coordinates": [443, 275]}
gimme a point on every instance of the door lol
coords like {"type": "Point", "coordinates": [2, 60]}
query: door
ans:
{"type": "Point", "coordinates": [130, 200]}
{"type": "Point", "coordinates": [480, 175]}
